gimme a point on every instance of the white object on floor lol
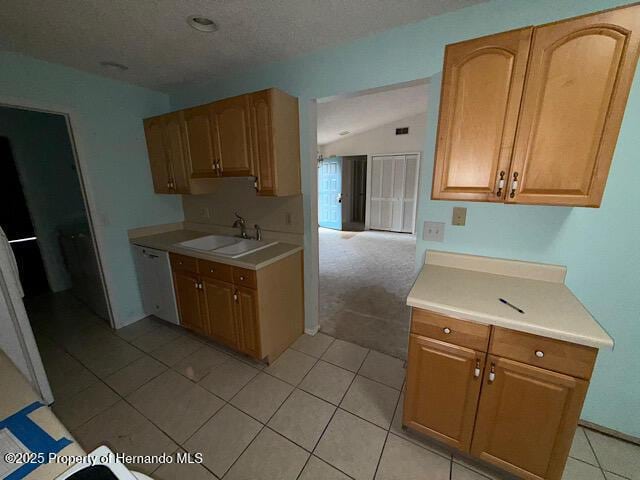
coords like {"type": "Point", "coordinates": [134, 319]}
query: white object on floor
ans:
{"type": "Point", "coordinates": [156, 283]}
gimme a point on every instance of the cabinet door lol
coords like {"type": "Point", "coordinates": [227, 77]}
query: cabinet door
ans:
{"type": "Point", "coordinates": [246, 313]}
{"type": "Point", "coordinates": [199, 131]}
{"type": "Point", "coordinates": [158, 159]}
{"type": "Point", "coordinates": [232, 123]}
{"type": "Point", "coordinates": [578, 80]}
{"type": "Point", "coordinates": [220, 311]}
{"type": "Point", "coordinates": [263, 154]}
{"type": "Point", "coordinates": [176, 151]}
{"type": "Point", "coordinates": [481, 91]}
{"type": "Point", "coordinates": [526, 418]}
{"type": "Point", "coordinates": [442, 390]}
{"type": "Point", "coordinates": [189, 301]}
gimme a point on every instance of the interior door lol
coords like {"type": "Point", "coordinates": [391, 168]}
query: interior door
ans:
{"type": "Point", "coordinates": [527, 417]}
{"type": "Point", "coordinates": [188, 299]}
{"type": "Point", "coordinates": [387, 202]}
{"type": "Point", "coordinates": [410, 197]}
{"type": "Point", "coordinates": [330, 193]}
{"type": "Point", "coordinates": [479, 104]}
{"type": "Point", "coordinates": [219, 298]}
{"type": "Point", "coordinates": [578, 80]}
{"type": "Point", "coordinates": [232, 122]}
{"type": "Point", "coordinates": [443, 384]}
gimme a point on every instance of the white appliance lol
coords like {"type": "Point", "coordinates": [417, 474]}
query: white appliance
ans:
{"type": "Point", "coordinates": [394, 192]}
{"type": "Point", "coordinates": [16, 335]}
{"type": "Point", "coordinates": [156, 283]}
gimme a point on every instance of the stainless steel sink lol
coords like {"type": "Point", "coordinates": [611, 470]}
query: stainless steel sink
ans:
{"type": "Point", "coordinates": [226, 246]}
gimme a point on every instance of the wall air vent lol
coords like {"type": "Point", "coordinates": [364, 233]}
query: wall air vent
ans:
{"type": "Point", "coordinates": [402, 131]}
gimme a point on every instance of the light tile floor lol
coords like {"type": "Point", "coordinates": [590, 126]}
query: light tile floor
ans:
{"type": "Point", "coordinates": [326, 409]}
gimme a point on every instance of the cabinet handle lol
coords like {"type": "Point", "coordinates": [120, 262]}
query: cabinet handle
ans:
{"type": "Point", "coordinates": [476, 371]}
{"type": "Point", "coordinates": [212, 270]}
{"type": "Point", "coordinates": [446, 330]}
{"type": "Point", "coordinates": [514, 185]}
{"type": "Point", "coordinates": [235, 296]}
{"type": "Point", "coordinates": [241, 278]}
{"type": "Point", "coordinates": [197, 285]}
{"type": "Point", "coordinates": [539, 353]}
{"type": "Point", "coordinates": [500, 184]}
{"type": "Point", "coordinates": [255, 185]}
{"type": "Point", "coordinates": [492, 373]}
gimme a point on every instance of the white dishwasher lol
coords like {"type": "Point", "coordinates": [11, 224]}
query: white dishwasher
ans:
{"type": "Point", "coordinates": [156, 283]}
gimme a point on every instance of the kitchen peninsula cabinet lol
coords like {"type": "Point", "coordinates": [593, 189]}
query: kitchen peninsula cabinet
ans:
{"type": "Point", "coordinates": [532, 116]}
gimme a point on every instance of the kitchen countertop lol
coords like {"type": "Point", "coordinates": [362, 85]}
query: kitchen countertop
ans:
{"type": "Point", "coordinates": [18, 394]}
{"type": "Point", "coordinates": [468, 287]}
{"type": "Point", "coordinates": [169, 241]}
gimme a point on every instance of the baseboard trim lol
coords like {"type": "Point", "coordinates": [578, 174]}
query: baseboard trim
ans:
{"type": "Point", "coordinates": [610, 432]}
{"type": "Point", "coordinates": [312, 331]}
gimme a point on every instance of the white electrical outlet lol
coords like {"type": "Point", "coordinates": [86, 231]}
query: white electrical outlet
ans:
{"type": "Point", "coordinates": [433, 231]}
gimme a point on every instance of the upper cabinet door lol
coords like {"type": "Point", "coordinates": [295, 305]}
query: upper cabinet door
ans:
{"type": "Point", "coordinates": [176, 152]}
{"type": "Point", "coordinates": [232, 124]}
{"type": "Point", "coordinates": [263, 155]}
{"type": "Point", "coordinates": [199, 138]}
{"type": "Point", "coordinates": [158, 161]}
{"type": "Point", "coordinates": [481, 92]}
{"type": "Point", "coordinates": [579, 76]}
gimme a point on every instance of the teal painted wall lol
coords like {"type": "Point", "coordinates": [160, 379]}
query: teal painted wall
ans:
{"type": "Point", "coordinates": [106, 118]}
{"type": "Point", "coordinates": [44, 159]}
{"type": "Point", "coordinates": [596, 245]}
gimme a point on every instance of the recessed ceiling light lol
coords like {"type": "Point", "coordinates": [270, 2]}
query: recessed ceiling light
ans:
{"type": "Point", "coordinates": [344, 132]}
{"type": "Point", "coordinates": [114, 66]}
{"type": "Point", "coordinates": [202, 24]}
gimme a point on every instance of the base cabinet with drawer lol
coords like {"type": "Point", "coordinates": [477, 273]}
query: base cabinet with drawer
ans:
{"type": "Point", "coordinates": [508, 398]}
{"type": "Point", "coordinates": [259, 313]}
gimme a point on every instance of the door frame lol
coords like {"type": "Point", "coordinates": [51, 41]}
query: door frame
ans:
{"type": "Point", "coordinates": [77, 148]}
{"type": "Point", "coordinates": [367, 213]}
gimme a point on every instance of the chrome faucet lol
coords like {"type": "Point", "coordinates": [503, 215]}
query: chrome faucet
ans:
{"type": "Point", "coordinates": [242, 224]}
{"type": "Point", "coordinates": [258, 232]}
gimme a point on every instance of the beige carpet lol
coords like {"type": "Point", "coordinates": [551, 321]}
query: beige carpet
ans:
{"type": "Point", "coordinates": [364, 281]}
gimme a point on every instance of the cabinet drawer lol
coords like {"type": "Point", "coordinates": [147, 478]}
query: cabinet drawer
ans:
{"type": "Point", "coordinates": [184, 263]}
{"type": "Point", "coordinates": [451, 330]}
{"type": "Point", "coordinates": [244, 277]}
{"type": "Point", "coordinates": [543, 352]}
{"type": "Point", "coordinates": [219, 271]}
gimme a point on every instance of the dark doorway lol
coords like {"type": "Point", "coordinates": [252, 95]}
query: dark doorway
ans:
{"type": "Point", "coordinates": [16, 223]}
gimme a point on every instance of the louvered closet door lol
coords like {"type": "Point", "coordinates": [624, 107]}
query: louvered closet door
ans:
{"type": "Point", "coordinates": [393, 192]}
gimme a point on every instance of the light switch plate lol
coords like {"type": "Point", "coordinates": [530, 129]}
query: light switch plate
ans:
{"type": "Point", "coordinates": [459, 216]}
{"type": "Point", "coordinates": [433, 231]}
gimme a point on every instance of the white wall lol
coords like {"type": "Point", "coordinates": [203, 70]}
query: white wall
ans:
{"type": "Point", "coordinates": [382, 139]}
{"type": "Point", "coordinates": [44, 159]}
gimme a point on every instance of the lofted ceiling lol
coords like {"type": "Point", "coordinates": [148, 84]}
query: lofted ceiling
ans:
{"type": "Point", "coordinates": [153, 39]}
{"type": "Point", "coordinates": [362, 112]}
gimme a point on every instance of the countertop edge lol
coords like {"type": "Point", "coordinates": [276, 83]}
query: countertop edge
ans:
{"type": "Point", "coordinates": [478, 317]}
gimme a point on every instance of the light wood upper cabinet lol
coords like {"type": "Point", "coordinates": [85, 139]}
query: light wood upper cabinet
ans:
{"type": "Point", "coordinates": [527, 418]}
{"type": "Point", "coordinates": [233, 136]}
{"type": "Point", "coordinates": [276, 143]}
{"type": "Point", "coordinates": [481, 92]}
{"type": "Point", "coordinates": [578, 80]}
{"type": "Point", "coordinates": [176, 152]}
{"type": "Point", "coordinates": [539, 107]}
{"type": "Point", "coordinates": [158, 159]}
{"type": "Point", "coordinates": [443, 384]}
{"type": "Point", "coordinates": [199, 127]}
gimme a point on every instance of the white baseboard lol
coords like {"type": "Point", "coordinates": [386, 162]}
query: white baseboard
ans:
{"type": "Point", "coordinates": [312, 331]}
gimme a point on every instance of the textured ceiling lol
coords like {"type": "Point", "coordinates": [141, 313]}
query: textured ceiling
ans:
{"type": "Point", "coordinates": [364, 112]}
{"type": "Point", "coordinates": [153, 39]}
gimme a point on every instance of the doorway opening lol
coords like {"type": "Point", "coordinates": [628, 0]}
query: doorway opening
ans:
{"type": "Point", "coordinates": [48, 225]}
{"type": "Point", "coordinates": [369, 155]}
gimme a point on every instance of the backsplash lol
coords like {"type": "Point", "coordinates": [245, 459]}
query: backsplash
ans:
{"type": "Point", "coordinates": [275, 214]}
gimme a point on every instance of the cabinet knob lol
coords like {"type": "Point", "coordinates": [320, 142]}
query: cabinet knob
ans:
{"type": "Point", "coordinates": [514, 185]}
{"type": "Point", "coordinates": [500, 184]}
{"type": "Point", "coordinates": [476, 371]}
{"type": "Point", "coordinates": [212, 270]}
{"type": "Point", "coordinates": [446, 330]}
{"type": "Point", "coordinates": [539, 353]}
{"type": "Point", "coordinates": [492, 373]}
{"type": "Point", "coordinates": [241, 278]}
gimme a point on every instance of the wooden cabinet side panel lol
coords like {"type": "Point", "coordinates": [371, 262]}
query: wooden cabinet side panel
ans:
{"type": "Point", "coordinates": [579, 77]}
{"type": "Point", "coordinates": [442, 390]}
{"type": "Point", "coordinates": [262, 136]}
{"type": "Point", "coordinates": [526, 419]}
{"type": "Point", "coordinates": [480, 100]}
{"type": "Point", "coordinates": [281, 302]}
{"type": "Point", "coordinates": [286, 143]}
{"type": "Point", "coordinates": [156, 149]}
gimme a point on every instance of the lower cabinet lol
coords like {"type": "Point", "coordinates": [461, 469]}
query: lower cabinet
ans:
{"type": "Point", "coordinates": [259, 313]}
{"type": "Point", "coordinates": [517, 413]}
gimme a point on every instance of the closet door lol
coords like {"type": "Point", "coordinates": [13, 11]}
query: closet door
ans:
{"type": "Point", "coordinates": [410, 198]}
{"type": "Point", "coordinates": [481, 91]}
{"type": "Point", "coordinates": [578, 80]}
{"type": "Point", "coordinates": [392, 180]}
